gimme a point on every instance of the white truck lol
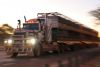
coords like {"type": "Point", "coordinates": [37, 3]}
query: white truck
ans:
{"type": "Point", "coordinates": [49, 32]}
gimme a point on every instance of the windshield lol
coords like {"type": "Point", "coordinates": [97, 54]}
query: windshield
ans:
{"type": "Point", "coordinates": [34, 26]}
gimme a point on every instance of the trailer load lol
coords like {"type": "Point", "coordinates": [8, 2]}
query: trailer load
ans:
{"type": "Point", "coordinates": [50, 32]}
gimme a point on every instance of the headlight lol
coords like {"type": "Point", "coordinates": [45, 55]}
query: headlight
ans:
{"type": "Point", "coordinates": [9, 41]}
{"type": "Point", "coordinates": [32, 41]}
{"type": "Point", "coordinates": [5, 41]}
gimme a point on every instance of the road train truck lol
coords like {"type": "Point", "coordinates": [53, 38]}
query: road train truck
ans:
{"type": "Point", "coordinates": [49, 32]}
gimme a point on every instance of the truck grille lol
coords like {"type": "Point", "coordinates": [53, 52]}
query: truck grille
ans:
{"type": "Point", "coordinates": [18, 40]}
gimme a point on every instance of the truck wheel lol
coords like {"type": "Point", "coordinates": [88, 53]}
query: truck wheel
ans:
{"type": "Point", "coordinates": [37, 51]}
{"type": "Point", "coordinates": [61, 48]}
{"type": "Point", "coordinates": [14, 55]}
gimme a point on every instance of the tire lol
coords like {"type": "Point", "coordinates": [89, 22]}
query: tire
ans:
{"type": "Point", "coordinates": [61, 48]}
{"type": "Point", "coordinates": [37, 51]}
{"type": "Point", "coordinates": [14, 55]}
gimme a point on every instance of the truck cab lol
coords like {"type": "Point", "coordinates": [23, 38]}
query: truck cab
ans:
{"type": "Point", "coordinates": [24, 40]}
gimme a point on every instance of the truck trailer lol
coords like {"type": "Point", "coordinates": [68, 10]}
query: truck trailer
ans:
{"type": "Point", "coordinates": [50, 32]}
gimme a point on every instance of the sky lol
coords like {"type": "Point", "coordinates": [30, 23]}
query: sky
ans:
{"type": "Point", "coordinates": [12, 10]}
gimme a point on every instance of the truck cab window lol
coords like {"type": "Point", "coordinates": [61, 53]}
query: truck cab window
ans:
{"type": "Point", "coordinates": [33, 26]}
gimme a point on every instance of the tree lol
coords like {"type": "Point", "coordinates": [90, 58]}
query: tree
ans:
{"type": "Point", "coordinates": [6, 30]}
{"type": "Point", "coordinates": [96, 14]}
